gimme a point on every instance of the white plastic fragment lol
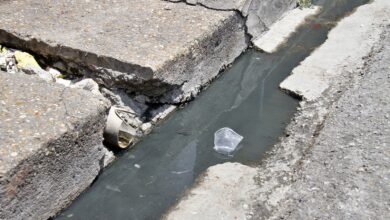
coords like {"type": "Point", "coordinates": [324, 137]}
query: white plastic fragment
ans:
{"type": "Point", "coordinates": [226, 141]}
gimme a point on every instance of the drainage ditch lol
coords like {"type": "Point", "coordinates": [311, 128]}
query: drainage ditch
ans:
{"type": "Point", "coordinates": [145, 181]}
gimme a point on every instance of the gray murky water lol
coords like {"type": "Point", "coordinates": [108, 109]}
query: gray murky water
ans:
{"type": "Point", "coordinates": [145, 181]}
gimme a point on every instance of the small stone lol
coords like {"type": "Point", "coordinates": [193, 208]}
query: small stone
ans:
{"type": "Point", "coordinates": [25, 60]}
{"type": "Point", "coordinates": [64, 82]}
{"type": "Point", "coordinates": [55, 73]}
{"type": "Point", "coordinates": [45, 75]}
{"type": "Point", "coordinates": [3, 64]}
{"type": "Point", "coordinates": [146, 127]}
{"type": "Point", "coordinates": [89, 85]}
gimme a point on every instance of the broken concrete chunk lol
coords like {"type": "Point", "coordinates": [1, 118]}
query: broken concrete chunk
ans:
{"type": "Point", "coordinates": [9, 58]}
{"type": "Point", "coordinates": [162, 112]}
{"type": "Point", "coordinates": [39, 72]}
{"type": "Point", "coordinates": [184, 45]}
{"type": "Point", "coordinates": [259, 14]}
{"type": "Point", "coordinates": [50, 136]}
{"type": "Point", "coordinates": [146, 127]}
{"type": "Point", "coordinates": [121, 98]}
{"type": "Point", "coordinates": [55, 73]}
{"type": "Point", "coordinates": [25, 60]}
{"type": "Point", "coordinates": [3, 63]}
{"type": "Point", "coordinates": [64, 82]}
{"type": "Point", "coordinates": [218, 194]}
{"type": "Point", "coordinates": [87, 84]}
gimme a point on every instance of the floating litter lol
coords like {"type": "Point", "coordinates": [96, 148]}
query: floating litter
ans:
{"type": "Point", "coordinates": [226, 141]}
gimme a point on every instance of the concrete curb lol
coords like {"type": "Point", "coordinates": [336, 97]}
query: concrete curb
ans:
{"type": "Point", "coordinates": [51, 145]}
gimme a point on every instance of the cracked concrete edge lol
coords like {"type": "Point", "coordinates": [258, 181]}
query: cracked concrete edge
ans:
{"type": "Point", "coordinates": [259, 15]}
{"type": "Point", "coordinates": [281, 30]}
{"type": "Point", "coordinates": [59, 169]}
{"type": "Point", "coordinates": [209, 187]}
{"type": "Point", "coordinates": [316, 73]}
{"type": "Point", "coordinates": [181, 78]}
{"type": "Point", "coordinates": [177, 81]}
{"type": "Point", "coordinates": [275, 175]}
{"type": "Point", "coordinates": [207, 59]}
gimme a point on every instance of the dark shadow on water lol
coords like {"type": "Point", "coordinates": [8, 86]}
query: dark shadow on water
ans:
{"type": "Point", "coordinates": [145, 181]}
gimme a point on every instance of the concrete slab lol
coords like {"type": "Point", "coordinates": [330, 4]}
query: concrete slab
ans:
{"type": "Point", "coordinates": [333, 161]}
{"type": "Point", "coordinates": [346, 173]}
{"type": "Point", "coordinates": [165, 50]}
{"type": "Point", "coordinates": [317, 72]}
{"type": "Point", "coordinates": [50, 145]}
{"type": "Point", "coordinates": [259, 14]}
{"type": "Point", "coordinates": [222, 187]}
{"type": "Point", "coordinates": [282, 29]}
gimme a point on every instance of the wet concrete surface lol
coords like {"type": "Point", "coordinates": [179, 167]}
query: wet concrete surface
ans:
{"type": "Point", "coordinates": [149, 179]}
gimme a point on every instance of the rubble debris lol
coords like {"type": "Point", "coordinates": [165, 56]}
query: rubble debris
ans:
{"type": "Point", "coordinates": [122, 127]}
{"type": "Point", "coordinates": [25, 60]}
{"type": "Point", "coordinates": [87, 84]}
{"type": "Point", "coordinates": [64, 82]}
{"type": "Point", "coordinates": [162, 112]}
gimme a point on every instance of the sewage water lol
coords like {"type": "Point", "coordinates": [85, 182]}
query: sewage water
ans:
{"type": "Point", "coordinates": [147, 180]}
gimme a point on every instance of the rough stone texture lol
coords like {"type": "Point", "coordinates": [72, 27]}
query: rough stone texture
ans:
{"type": "Point", "coordinates": [50, 145]}
{"type": "Point", "coordinates": [226, 194]}
{"type": "Point", "coordinates": [334, 161]}
{"type": "Point", "coordinates": [317, 72]}
{"type": "Point", "coordinates": [346, 174]}
{"type": "Point", "coordinates": [282, 29]}
{"type": "Point", "coordinates": [259, 14]}
{"type": "Point", "coordinates": [164, 50]}
{"type": "Point", "coordinates": [279, 171]}
{"type": "Point", "coordinates": [226, 5]}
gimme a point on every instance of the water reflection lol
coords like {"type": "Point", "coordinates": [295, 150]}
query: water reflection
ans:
{"type": "Point", "coordinates": [147, 180]}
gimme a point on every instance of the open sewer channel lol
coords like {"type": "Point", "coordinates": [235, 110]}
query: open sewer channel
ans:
{"type": "Point", "coordinates": [147, 180]}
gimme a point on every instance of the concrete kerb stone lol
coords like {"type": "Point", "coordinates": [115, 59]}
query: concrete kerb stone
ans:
{"type": "Point", "coordinates": [282, 29]}
{"type": "Point", "coordinates": [318, 72]}
{"type": "Point", "coordinates": [259, 15]}
{"type": "Point", "coordinates": [275, 176]}
{"type": "Point", "coordinates": [165, 51]}
{"type": "Point", "coordinates": [226, 194]}
{"type": "Point", "coordinates": [50, 145]}
{"type": "Point", "coordinates": [174, 51]}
